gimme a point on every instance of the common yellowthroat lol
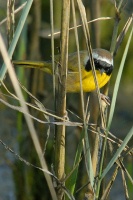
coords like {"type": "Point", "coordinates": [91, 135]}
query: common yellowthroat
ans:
{"type": "Point", "coordinates": [103, 64]}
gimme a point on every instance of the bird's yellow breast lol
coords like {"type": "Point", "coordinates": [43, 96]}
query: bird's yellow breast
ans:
{"type": "Point", "coordinates": [88, 83]}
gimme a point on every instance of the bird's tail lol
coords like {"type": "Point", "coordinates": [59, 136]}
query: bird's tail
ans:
{"type": "Point", "coordinates": [45, 66]}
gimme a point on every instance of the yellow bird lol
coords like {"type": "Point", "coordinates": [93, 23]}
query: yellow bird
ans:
{"type": "Point", "coordinates": [103, 64]}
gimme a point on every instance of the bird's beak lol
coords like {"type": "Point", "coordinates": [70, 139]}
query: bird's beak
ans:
{"type": "Point", "coordinates": [101, 71]}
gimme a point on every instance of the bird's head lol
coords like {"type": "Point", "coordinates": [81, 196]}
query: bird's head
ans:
{"type": "Point", "coordinates": [103, 61]}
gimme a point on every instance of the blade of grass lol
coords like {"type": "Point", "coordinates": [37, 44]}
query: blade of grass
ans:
{"type": "Point", "coordinates": [117, 154]}
{"type": "Point", "coordinates": [71, 183]}
{"type": "Point", "coordinates": [117, 83]}
{"type": "Point", "coordinates": [16, 36]}
{"type": "Point", "coordinates": [72, 180]}
{"type": "Point", "coordinates": [116, 87]}
{"type": "Point", "coordinates": [106, 88]}
{"type": "Point", "coordinates": [88, 162]}
{"type": "Point", "coordinates": [123, 33]}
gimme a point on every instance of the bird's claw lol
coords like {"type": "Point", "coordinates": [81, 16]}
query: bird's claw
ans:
{"type": "Point", "coordinates": [106, 99]}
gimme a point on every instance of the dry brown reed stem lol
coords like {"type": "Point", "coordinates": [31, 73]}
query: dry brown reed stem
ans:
{"type": "Point", "coordinates": [61, 97]}
{"type": "Point", "coordinates": [10, 20]}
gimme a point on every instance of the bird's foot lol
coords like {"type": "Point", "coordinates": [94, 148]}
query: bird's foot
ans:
{"type": "Point", "coordinates": [106, 99]}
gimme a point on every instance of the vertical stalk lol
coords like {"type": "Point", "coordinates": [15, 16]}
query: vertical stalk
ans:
{"type": "Point", "coordinates": [52, 42]}
{"type": "Point", "coordinates": [94, 106]}
{"type": "Point", "coordinates": [61, 98]}
{"type": "Point", "coordinates": [10, 20]}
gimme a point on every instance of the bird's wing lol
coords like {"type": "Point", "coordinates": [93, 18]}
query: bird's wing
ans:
{"type": "Point", "coordinates": [73, 61]}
